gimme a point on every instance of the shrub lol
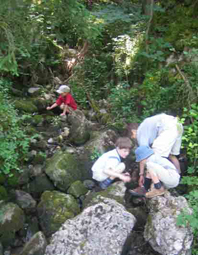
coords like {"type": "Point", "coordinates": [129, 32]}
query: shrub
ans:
{"type": "Point", "coordinates": [190, 144]}
{"type": "Point", "coordinates": [13, 141]}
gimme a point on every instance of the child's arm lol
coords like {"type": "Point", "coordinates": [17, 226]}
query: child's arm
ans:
{"type": "Point", "coordinates": [112, 173]}
{"type": "Point", "coordinates": [52, 106]}
{"type": "Point", "coordinates": [142, 166]}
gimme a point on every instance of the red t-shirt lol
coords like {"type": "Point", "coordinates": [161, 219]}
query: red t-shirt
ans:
{"type": "Point", "coordinates": [68, 100]}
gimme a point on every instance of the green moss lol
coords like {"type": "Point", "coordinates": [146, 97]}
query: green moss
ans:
{"type": "Point", "coordinates": [25, 106]}
{"type": "Point", "coordinates": [64, 169]}
{"type": "Point", "coordinates": [54, 209]}
{"type": "Point", "coordinates": [149, 225]}
{"type": "Point", "coordinates": [77, 189]}
{"type": "Point", "coordinates": [80, 138]}
{"type": "Point", "coordinates": [37, 119]}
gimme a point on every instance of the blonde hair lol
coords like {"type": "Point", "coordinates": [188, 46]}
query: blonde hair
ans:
{"type": "Point", "coordinates": [124, 143]}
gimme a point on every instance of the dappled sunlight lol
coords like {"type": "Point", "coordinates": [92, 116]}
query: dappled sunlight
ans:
{"type": "Point", "coordinates": [125, 51]}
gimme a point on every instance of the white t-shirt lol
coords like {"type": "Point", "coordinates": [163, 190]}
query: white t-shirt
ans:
{"type": "Point", "coordinates": [151, 127]}
{"type": "Point", "coordinates": [109, 159]}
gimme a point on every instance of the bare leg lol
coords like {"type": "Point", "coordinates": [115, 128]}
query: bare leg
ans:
{"type": "Point", "coordinates": [153, 177]}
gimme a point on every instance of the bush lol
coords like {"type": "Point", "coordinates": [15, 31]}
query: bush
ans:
{"type": "Point", "coordinates": [13, 142]}
{"type": "Point", "coordinates": [190, 145]}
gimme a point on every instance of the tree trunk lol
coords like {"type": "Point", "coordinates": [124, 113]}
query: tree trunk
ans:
{"type": "Point", "coordinates": [147, 7]}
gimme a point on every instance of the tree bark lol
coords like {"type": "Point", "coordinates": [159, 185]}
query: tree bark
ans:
{"type": "Point", "coordinates": [147, 7]}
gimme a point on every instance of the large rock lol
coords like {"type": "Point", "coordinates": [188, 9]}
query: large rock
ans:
{"type": "Point", "coordinates": [25, 106]}
{"type": "Point", "coordinates": [36, 245]}
{"type": "Point", "coordinates": [100, 142]}
{"type": "Point", "coordinates": [77, 189]}
{"type": "Point", "coordinates": [161, 229]}
{"type": "Point", "coordinates": [80, 132]}
{"type": "Point", "coordinates": [64, 168]}
{"type": "Point", "coordinates": [25, 200]}
{"type": "Point", "coordinates": [38, 185]}
{"type": "Point", "coordinates": [115, 191]}
{"type": "Point", "coordinates": [12, 219]}
{"type": "Point", "coordinates": [54, 209]}
{"type": "Point", "coordinates": [100, 229]}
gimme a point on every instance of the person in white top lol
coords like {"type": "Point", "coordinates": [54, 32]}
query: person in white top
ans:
{"type": "Point", "coordinates": [109, 165]}
{"type": "Point", "coordinates": [163, 133]}
{"type": "Point", "coordinates": [160, 171]}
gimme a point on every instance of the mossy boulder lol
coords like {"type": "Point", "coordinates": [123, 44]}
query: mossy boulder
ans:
{"type": "Point", "coordinates": [41, 104]}
{"type": "Point", "coordinates": [12, 219]}
{"type": "Point", "coordinates": [25, 106]}
{"type": "Point", "coordinates": [38, 185]}
{"type": "Point", "coordinates": [80, 132]}
{"type": "Point", "coordinates": [36, 245]}
{"type": "Point", "coordinates": [54, 209]}
{"type": "Point", "coordinates": [101, 142]}
{"type": "Point", "coordinates": [37, 120]}
{"type": "Point", "coordinates": [115, 191]}
{"type": "Point", "coordinates": [64, 168]}
{"type": "Point", "coordinates": [77, 189]}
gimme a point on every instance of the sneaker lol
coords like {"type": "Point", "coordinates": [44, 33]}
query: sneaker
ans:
{"type": "Point", "coordinates": [138, 192]}
{"type": "Point", "coordinates": [155, 192]}
{"type": "Point", "coordinates": [106, 183]}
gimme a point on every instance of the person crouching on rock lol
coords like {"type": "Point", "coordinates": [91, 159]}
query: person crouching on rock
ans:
{"type": "Point", "coordinates": [160, 172]}
{"type": "Point", "coordinates": [109, 165]}
{"type": "Point", "coordinates": [65, 101]}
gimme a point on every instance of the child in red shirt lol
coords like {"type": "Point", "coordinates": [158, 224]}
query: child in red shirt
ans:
{"type": "Point", "coordinates": [65, 101]}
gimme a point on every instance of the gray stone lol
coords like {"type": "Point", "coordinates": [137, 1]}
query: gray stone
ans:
{"type": "Point", "coordinates": [115, 191]}
{"type": "Point", "coordinates": [161, 229]}
{"type": "Point", "coordinates": [80, 132]}
{"type": "Point", "coordinates": [36, 245]}
{"type": "Point", "coordinates": [100, 229]}
{"type": "Point", "coordinates": [12, 219]}
{"type": "Point", "coordinates": [25, 200]}
{"type": "Point", "coordinates": [34, 90]}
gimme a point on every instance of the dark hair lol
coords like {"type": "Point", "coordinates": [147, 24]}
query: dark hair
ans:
{"type": "Point", "coordinates": [123, 143]}
{"type": "Point", "coordinates": [128, 129]}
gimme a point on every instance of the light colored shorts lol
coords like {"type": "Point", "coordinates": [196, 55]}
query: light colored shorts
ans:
{"type": "Point", "coordinates": [101, 176]}
{"type": "Point", "coordinates": [169, 177]}
{"type": "Point", "coordinates": [169, 137]}
{"type": "Point", "coordinates": [68, 107]}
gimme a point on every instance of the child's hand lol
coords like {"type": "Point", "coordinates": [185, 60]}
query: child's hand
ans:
{"type": "Point", "coordinates": [48, 108]}
{"type": "Point", "coordinates": [62, 114]}
{"type": "Point", "coordinates": [126, 178]}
